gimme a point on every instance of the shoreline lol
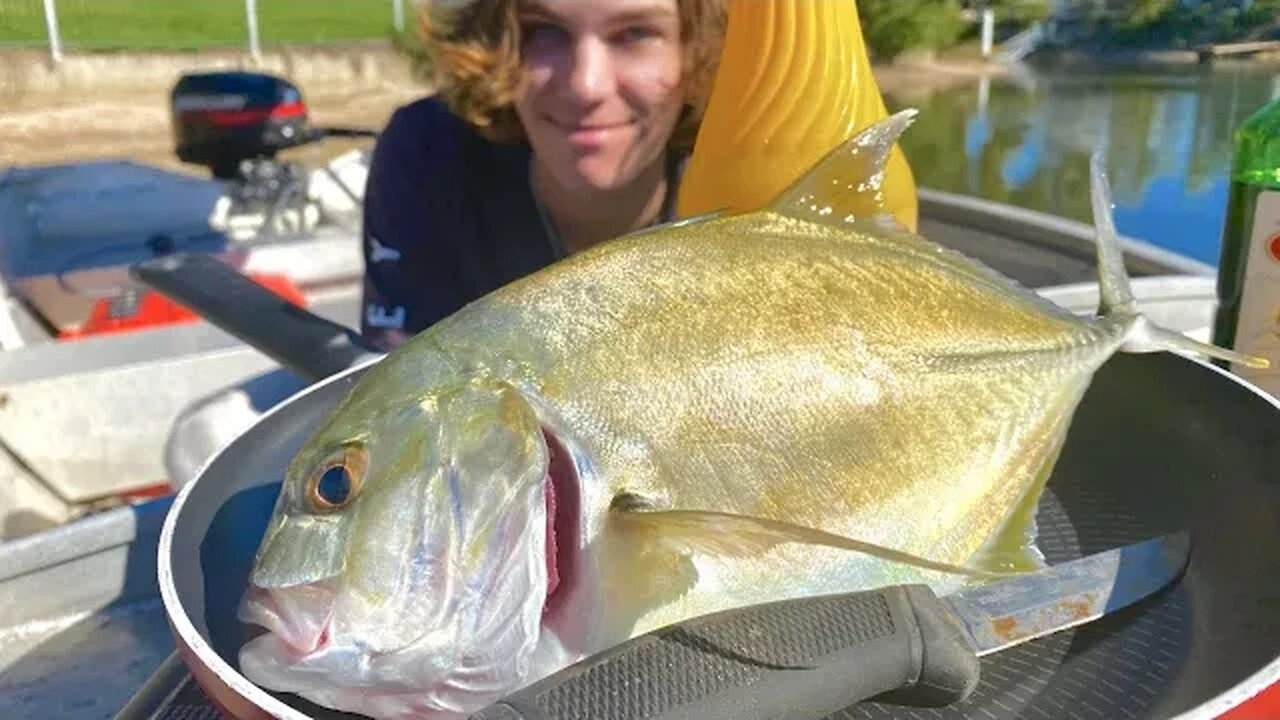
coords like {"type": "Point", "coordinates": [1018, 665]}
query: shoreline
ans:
{"type": "Point", "coordinates": [29, 76]}
{"type": "Point", "coordinates": [1148, 57]}
{"type": "Point", "coordinates": [918, 76]}
{"type": "Point", "coordinates": [116, 105]}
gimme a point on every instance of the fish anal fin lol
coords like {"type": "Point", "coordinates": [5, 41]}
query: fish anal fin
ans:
{"type": "Point", "coordinates": [848, 183]}
{"type": "Point", "coordinates": [721, 534]}
{"type": "Point", "coordinates": [1013, 549]}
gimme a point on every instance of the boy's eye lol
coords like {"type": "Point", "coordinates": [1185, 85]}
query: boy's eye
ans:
{"type": "Point", "coordinates": [637, 33]}
{"type": "Point", "coordinates": [541, 33]}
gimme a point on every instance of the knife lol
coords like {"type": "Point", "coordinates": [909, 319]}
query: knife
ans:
{"type": "Point", "coordinates": [810, 657]}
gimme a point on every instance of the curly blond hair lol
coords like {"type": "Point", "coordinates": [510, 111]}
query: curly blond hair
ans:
{"type": "Point", "coordinates": [475, 51]}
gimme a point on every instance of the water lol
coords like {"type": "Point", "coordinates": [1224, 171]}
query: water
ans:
{"type": "Point", "coordinates": [1026, 140]}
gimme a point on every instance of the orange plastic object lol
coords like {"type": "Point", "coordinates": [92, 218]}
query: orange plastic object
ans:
{"type": "Point", "coordinates": [794, 82]}
{"type": "Point", "coordinates": [147, 492]}
{"type": "Point", "coordinates": [150, 309]}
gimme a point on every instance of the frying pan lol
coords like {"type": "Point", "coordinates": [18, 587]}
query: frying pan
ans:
{"type": "Point", "coordinates": [1160, 443]}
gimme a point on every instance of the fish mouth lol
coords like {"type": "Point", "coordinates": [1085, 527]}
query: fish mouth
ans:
{"type": "Point", "coordinates": [564, 509]}
{"type": "Point", "coordinates": [299, 616]}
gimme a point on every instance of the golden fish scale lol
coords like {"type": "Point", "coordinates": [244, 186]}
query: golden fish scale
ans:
{"type": "Point", "coordinates": [872, 386]}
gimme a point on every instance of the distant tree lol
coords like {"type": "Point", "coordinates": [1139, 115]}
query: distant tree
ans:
{"type": "Point", "coordinates": [1263, 15]}
{"type": "Point", "coordinates": [1146, 12]}
{"type": "Point", "coordinates": [1020, 12]}
{"type": "Point", "coordinates": [893, 26]}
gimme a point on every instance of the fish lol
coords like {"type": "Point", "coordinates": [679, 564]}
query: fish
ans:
{"type": "Point", "coordinates": [729, 409]}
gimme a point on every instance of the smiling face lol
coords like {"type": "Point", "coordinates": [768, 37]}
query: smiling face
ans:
{"type": "Point", "coordinates": [601, 89]}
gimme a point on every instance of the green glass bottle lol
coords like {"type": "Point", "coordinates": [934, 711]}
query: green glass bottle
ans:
{"type": "Point", "coordinates": [1248, 315]}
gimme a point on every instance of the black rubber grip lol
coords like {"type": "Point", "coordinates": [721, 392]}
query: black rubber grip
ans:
{"type": "Point", "coordinates": [298, 339]}
{"type": "Point", "coordinates": [792, 660]}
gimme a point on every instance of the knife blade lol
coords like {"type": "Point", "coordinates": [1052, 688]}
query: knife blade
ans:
{"type": "Point", "coordinates": [813, 656]}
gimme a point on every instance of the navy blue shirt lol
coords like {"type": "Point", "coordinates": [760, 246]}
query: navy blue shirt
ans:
{"type": "Point", "coordinates": [448, 217]}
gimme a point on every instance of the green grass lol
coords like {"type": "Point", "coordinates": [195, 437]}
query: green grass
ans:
{"type": "Point", "coordinates": [190, 24]}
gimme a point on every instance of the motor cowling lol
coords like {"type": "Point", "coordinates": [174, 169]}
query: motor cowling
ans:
{"type": "Point", "coordinates": [221, 119]}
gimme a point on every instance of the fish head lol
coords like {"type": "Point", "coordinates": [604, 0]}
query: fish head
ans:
{"type": "Point", "coordinates": [404, 570]}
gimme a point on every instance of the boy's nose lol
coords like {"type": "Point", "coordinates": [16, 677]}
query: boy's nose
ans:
{"type": "Point", "coordinates": [592, 76]}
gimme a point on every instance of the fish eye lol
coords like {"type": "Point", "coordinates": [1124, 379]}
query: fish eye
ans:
{"type": "Point", "coordinates": [335, 482]}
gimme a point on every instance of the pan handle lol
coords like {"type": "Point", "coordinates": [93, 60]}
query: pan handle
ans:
{"type": "Point", "coordinates": [300, 340]}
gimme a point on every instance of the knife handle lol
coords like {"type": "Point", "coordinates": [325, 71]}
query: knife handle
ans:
{"type": "Point", "coordinates": [793, 659]}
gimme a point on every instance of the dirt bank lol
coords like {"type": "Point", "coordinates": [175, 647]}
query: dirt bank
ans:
{"type": "Point", "coordinates": [116, 105]}
{"type": "Point", "coordinates": [29, 76]}
{"type": "Point", "coordinates": [135, 125]}
{"type": "Point", "coordinates": [914, 78]}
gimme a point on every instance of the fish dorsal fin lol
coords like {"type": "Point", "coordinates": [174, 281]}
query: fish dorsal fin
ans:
{"type": "Point", "coordinates": [737, 536]}
{"type": "Point", "coordinates": [848, 182]}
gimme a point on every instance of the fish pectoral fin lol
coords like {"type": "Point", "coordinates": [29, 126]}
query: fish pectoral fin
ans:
{"type": "Point", "coordinates": [848, 183]}
{"type": "Point", "coordinates": [729, 535]}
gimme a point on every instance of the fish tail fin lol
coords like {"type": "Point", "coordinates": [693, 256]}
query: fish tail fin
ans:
{"type": "Point", "coordinates": [1117, 304]}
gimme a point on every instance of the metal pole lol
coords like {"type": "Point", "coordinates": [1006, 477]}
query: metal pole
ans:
{"type": "Point", "coordinates": [988, 30]}
{"type": "Point", "coordinates": [251, 16]}
{"type": "Point", "coordinates": [51, 23]}
{"type": "Point", "coordinates": [397, 12]}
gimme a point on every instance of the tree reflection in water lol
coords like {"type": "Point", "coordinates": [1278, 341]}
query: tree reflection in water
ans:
{"type": "Point", "coordinates": [1026, 141]}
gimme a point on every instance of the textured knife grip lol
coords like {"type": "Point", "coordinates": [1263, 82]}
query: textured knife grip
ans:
{"type": "Point", "coordinates": [802, 658]}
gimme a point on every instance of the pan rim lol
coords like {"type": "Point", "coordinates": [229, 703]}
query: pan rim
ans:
{"type": "Point", "coordinates": [182, 625]}
{"type": "Point", "coordinates": [176, 611]}
{"type": "Point", "coordinates": [1268, 674]}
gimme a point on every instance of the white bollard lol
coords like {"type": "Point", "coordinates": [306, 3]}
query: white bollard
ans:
{"type": "Point", "coordinates": [251, 17]}
{"type": "Point", "coordinates": [397, 12]}
{"type": "Point", "coordinates": [988, 30]}
{"type": "Point", "coordinates": [51, 24]}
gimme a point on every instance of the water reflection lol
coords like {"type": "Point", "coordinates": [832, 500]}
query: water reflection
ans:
{"type": "Point", "coordinates": [1026, 141]}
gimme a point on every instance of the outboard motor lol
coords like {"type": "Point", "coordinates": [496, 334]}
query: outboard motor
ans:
{"type": "Point", "coordinates": [73, 231]}
{"type": "Point", "coordinates": [222, 119]}
{"type": "Point", "coordinates": [235, 123]}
